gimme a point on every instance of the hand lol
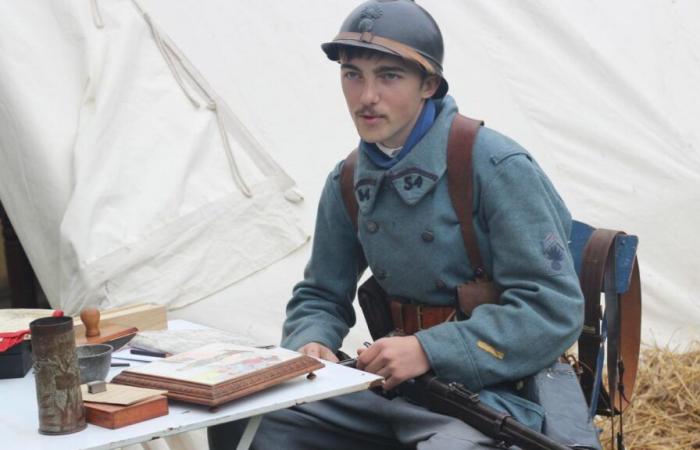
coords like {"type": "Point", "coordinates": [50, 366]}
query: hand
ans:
{"type": "Point", "coordinates": [318, 351]}
{"type": "Point", "coordinates": [397, 359]}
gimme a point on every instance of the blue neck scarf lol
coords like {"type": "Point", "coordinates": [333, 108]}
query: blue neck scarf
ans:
{"type": "Point", "coordinates": [423, 124]}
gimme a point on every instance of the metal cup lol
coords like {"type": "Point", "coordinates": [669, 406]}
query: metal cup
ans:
{"type": "Point", "coordinates": [94, 361]}
{"type": "Point", "coordinates": [57, 377]}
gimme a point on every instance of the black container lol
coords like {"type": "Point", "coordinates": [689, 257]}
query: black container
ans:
{"type": "Point", "coordinates": [16, 361]}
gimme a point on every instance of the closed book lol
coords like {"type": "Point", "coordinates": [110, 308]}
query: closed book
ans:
{"type": "Point", "coordinates": [16, 361]}
{"type": "Point", "coordinates": [117, 416]}
{"type": "Point", "coordinates": [218, 373]}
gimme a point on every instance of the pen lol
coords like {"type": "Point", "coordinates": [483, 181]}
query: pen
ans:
{"type": "Point", "coordinates": [132, 359]}
{"type": "Point", "coordinates": [138, 351]}
{"type": "Point", "coordinates": [352, 362]}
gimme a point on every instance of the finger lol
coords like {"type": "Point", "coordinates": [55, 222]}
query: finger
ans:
{"type": "Point", "coordinates": [376, 364]}
{"type": "Point", "coordinates": [384, 372]}
{"type": "Point", "coordinates": [328, 355]}
{"type": "Point", "coordinates": [360, 350]}
{"type": "Point", "coordinates": [391, 382]}
{"type": "Point", "coordinates": [311, 351]}
{"type": "Point", "coordinates": [367, 356]}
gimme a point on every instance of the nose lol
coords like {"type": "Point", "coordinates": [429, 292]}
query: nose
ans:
{"type": "Point", "coordinates": [370, 93]}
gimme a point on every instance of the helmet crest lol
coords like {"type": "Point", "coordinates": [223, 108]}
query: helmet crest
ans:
{"type": "Point", "coordinates": [369, 14]}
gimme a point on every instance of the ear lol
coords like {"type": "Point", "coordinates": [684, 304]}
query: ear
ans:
{"type": "Point", "coordinates": [430, 86]}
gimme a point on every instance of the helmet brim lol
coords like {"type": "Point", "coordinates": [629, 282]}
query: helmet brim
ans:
{"type": "Point", "coordinates": [332, 51]}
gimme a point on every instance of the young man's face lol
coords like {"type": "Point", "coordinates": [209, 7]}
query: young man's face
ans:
{"type": "Point", "coordinates": [385, 95]}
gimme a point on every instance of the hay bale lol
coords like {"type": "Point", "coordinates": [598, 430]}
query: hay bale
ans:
{"type": "Point", "coordinates": [665, 410]}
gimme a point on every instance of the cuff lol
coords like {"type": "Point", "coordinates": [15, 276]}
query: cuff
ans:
{"type": "Point", "coordinates": [449, 357]}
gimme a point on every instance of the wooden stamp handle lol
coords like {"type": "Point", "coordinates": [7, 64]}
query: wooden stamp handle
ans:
{"type": "Point", "coordinates": [91, 320]}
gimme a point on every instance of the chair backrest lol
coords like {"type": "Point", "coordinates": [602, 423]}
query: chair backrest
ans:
{"type": "Point", "coordinates": [625, 253]}
{"type": "Point", "coordinates": [606, 262]}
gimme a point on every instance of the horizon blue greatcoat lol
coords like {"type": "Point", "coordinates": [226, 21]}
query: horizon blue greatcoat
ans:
{"type": "Point", "coordinates": [409, 236]}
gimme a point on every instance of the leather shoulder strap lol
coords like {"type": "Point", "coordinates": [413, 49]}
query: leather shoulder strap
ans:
{"type": "Point", "coordinates": [347, 181]}
{"type": "Point", "coordinates": [460, 183]}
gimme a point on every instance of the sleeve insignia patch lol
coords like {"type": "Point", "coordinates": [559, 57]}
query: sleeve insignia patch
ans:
{"type": "Point", "coordinates": [554, 251]}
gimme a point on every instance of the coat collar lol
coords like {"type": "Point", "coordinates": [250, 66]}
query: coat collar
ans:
{"type": "Point", "coordinates": [417, 173]}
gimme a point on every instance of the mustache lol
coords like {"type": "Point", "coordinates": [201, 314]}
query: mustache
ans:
{"type": "Point", "coordinates": [368, 112]}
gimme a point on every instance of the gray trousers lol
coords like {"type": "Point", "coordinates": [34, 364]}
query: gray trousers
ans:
{"type": "Point", "coordinates": [363, 420]}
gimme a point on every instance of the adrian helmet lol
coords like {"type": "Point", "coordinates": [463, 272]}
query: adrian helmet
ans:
{"type": "Point", "coordinates": [397, 27]}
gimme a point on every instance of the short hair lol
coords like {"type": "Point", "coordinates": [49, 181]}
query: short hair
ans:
{"type": "Point", "coordinates": [349, 52]}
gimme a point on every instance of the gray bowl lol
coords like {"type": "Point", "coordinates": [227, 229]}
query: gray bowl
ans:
{"type": "Point", "coordinates": [94, 361]}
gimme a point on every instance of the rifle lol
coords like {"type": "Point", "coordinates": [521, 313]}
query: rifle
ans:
{"type": "Point", "coordinates": [453, 399]}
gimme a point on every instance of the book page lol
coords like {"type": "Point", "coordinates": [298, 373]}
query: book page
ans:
{"type": "Point", "coordinates": [215, 363]}
{"type": "Point", "coordinates": [178, 341]}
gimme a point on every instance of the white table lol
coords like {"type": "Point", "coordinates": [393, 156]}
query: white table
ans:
{"type": "Point", "coordinates": [19, 420]}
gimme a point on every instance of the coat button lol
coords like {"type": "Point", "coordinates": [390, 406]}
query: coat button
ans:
{"type": "Point", "coordinates": [427, 236]}
{"type": "Point", "coordinates": [440, 284]}
{"type": "Point", "coordinates": [372, 226]}
{"type": "Point", "coordinates": [380, 274]}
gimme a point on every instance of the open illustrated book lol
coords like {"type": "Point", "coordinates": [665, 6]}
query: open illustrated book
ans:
{"type": "Point", "coordinates": [220, 372]}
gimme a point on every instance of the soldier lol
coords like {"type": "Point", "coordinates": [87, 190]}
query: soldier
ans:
{"type": "Point", "coordinates": [408, 233]}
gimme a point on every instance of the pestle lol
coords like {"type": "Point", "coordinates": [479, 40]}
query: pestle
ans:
{"type": "Point", "coordinates": [113, 334]}
{"type": "Point", "coordinates": [91, 319]}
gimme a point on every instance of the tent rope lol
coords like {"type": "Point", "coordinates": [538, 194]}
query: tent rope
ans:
{"type": "Point", "coordinates": [213, 106]}
{"type": "Point", "coordinates": [168, 60]}
{"type": "Point", "coordinates": [96, 16]}
{"type": "Point", "coordinates": [176, 66]}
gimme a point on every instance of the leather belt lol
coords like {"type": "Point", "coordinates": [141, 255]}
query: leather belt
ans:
{"type": "Point", "coordinates": [623, 314]}
{"type": "Point", "coordinates": [409, 318]}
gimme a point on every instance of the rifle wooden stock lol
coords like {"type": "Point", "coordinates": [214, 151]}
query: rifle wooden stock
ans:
{"type": "Point", "coordinates": [452, 399]}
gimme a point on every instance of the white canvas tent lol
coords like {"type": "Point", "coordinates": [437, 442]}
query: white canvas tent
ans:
{"type": "Point", "coordinates": [604, 95]}
{"type": "Point", "coordinates": [121, 189]}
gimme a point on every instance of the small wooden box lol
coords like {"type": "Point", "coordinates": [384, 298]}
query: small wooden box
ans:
{"type": "Point", "coordinates": [15, 362]}
{"type": "Point", "coordinates": [117, 416]}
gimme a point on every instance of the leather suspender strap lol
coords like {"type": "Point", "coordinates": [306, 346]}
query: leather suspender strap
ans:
{"type": "Point", "coordinates": [347, 186]}
{"type": "Point", "coordinates": [460, 181]}
{"type": "Point", "coordinates": [623, 318]}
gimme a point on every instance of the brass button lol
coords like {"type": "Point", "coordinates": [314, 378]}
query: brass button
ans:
{"type": "Point", "coordinates": [372, 226]}
{"type": "Point", "coordinates": [427, 236]}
